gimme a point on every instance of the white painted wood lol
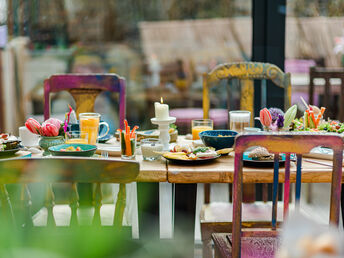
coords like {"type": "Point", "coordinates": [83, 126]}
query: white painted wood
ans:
{"type": "Point", "coordinates": [8, 90]}
{"type": "Point", "coordinates": [166, 208]}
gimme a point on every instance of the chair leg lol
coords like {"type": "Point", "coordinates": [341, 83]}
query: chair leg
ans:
{"type": "Point", "coordinates": [207, 250]}
{"type": "Point", "coordinates": [342, 204]}
{"type": "Point", "coordinates": [309, 196]}
{"type": "Point", "coordinates": [206, 193]}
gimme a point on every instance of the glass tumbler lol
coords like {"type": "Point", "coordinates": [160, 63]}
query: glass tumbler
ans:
{"type": "Point", "coordinates": [149, 149]}
{"type": "Point", "coordinates": [239, 119]}
{"type": "Point", "coordinates": [200, 125]}
{"type": "Point", "coordinates": [128, 146]}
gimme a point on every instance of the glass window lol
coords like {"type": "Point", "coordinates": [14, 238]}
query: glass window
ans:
{"type": "Point", "coordinates": [162, 48]}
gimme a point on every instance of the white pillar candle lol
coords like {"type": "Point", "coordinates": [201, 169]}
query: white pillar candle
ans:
{"type": "Point", "coordinates": [161, 111]}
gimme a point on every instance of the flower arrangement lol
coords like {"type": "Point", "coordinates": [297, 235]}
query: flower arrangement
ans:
{"type": "Point", "coordinates": [275, 119]}
{"type": "Point", "coordinates": [49, 128]}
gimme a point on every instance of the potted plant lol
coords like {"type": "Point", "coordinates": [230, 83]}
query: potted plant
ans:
{"type": "Point", "coordinates": [51, 132]}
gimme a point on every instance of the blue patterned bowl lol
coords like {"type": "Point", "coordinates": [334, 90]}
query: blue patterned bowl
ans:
{"type": "Point", "coordinates": [218, 139]}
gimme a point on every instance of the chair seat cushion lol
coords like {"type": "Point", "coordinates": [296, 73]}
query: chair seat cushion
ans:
{"type": "Point", "coordinates": [62, 215]}
{"type": "Point", "coordinates": [223, 212]}
{"type": "Point", "coordinates": [258, 246]}
{"type": "Point", "coordinates": [185, 115]}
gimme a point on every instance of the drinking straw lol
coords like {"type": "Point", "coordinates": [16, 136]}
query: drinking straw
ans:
{"type": "Point", "coordinates": [304, 102]}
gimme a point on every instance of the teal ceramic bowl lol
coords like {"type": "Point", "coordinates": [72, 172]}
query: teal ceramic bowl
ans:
{"type": "Point", "coordinates": [87, 150]}
{"type": "Point", "coordinates": [218, 139]}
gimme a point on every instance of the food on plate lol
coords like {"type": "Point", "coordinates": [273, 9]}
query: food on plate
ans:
{"type": "Point", "coordinates": [224, 151]}
{"type": "Point", "coordinates": [173, 128]}
{"type": "Point", "coordinates": [324, 126]}
{"type": "Point", "coordinates": [8, 142]}
{"type": "Point", "coordinates": [313, 116]}
{"type": "Point", "coordinates": [182, 148]}
{"type": "Point", "coordinates": [72, 148]}
{"type": "Point", "coordinates": [186, 152]}
{"type": "Point", "coordinates": [260, 153]}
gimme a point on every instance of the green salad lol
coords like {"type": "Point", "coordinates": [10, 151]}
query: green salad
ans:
{"type": "Point", "coordinates": [325, 126]}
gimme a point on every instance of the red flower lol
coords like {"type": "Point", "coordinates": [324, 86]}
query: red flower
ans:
{"type": "Point", "coordinates": [34, 126]}
{"type": "Point", "coordinates": [49, 130]}
{"type": "Point", "coordinates": [54, 121]}
{"type": "Point", "coordinates": [265, 117]}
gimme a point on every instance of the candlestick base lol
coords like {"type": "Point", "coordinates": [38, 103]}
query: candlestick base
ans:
{"type": "Point", "coordinates": [163, 128]}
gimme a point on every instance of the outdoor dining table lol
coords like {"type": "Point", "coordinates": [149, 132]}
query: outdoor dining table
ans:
{"type": "Point", "coordinates": [181, 181]}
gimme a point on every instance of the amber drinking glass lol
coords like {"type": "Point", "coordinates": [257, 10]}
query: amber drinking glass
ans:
{"type": "Point", "coordinates": [200, 125]}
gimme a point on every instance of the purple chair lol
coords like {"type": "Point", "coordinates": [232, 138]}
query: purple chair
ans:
{"type": "Point", "coordinates": [85, 88]}
{"type": "Point", "coordinates": [263, 243]}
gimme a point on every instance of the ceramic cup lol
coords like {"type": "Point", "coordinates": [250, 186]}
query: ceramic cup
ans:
{"type": "Point", "coordinates": [27, 138]}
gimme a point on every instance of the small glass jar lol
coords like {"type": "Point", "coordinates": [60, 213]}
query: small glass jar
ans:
{"type": "Point", "coordinates": [149, 147]}
{"type": "Point", "coordinates": [239, 119]}
{"type": "Point", "coordinates": [128, 146]}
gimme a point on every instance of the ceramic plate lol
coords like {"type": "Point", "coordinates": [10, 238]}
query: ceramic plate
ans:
{"type": "Point", "coordinates": [249, 162]}
{"type": "Point", "coordinates": [105, 138]}
{"type": "Point", "coordinates": [8, 153]}
{"type": "Point", "coordinates": [192, 162]}
{"type": "Point", "coordinates": [87, 150]}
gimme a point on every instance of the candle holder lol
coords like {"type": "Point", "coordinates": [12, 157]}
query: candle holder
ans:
{"type": "Point", "coordinates": [164, 126]}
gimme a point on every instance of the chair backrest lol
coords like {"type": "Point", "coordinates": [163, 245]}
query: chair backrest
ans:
{"type": "Point", "coordinates": [287, 143]}
{"type": "Point", "coordinates": [85, 88]}
{"type": "Point", "coordinates": [66, 170]}
{"type": "Point", "coordinates": [246, 72]}
{"type": "Point", "coordinates": [327, 74]}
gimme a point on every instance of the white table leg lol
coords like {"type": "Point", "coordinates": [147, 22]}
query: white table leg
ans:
{"type": "Point", "coordinates": [166, 210]}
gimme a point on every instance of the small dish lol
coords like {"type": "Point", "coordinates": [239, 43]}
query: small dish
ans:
{"type": "Point", "coordinates": [105, 138]}
{"type": "Point", "coordinates": [87, 150]}
{"type": "Point", "coordinates": [218, 139]}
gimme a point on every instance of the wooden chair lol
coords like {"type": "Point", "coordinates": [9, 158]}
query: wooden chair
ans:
{"type": "Point", "coordinates": [52, 171]}
{"type": "Point", "coordinates": [212, 219]}
{"type": "Point", "coordinates": [327, 74]}
{"type": "Point", "coordinates": [85, 88]}
{"type": "Point", "coordinates": [246, 72]}
{"type": "Point", "coordinates": [263, 243]}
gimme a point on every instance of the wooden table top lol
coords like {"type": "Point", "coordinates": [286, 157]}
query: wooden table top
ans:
{"type": "Point", "coordinates": [222, 169]}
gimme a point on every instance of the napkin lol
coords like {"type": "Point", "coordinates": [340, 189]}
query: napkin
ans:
{"type": "Point", "coordinates": [112, 150]}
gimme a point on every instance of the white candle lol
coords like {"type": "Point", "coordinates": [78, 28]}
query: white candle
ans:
{"type": "Point", "coordinates": [161, 111]}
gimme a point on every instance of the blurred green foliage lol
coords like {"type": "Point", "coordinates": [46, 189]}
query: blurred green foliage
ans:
{"type": "Point", "coordinates": [86, 242]}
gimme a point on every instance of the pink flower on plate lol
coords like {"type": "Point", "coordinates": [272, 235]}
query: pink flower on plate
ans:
{"type": "Point", "coordinates": [54, 121]}
{"type": "Point", "coordinates": [50, 130]}
{"type": "Point", "coordinates": [33, 126]}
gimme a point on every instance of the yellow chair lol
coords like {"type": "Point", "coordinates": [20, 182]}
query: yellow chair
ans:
{"type": "Point", "coordinates": [246, 72]}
